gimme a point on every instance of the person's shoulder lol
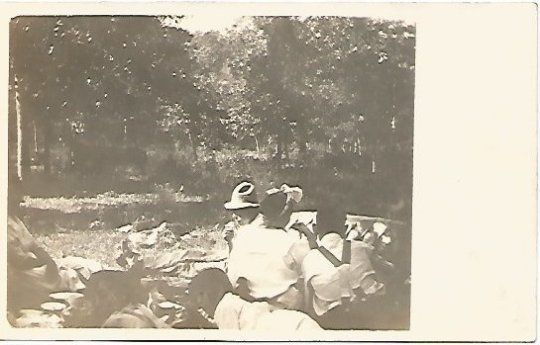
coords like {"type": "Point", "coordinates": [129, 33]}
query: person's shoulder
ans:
{"type": "Point", "coordinates": [331, 239]}
{"type": "Point", "coordinates": [279, 234]}
{"type": "Point", "coordinates": [288, 319]}
{"type": "Point", "coordinates": [245, 232]}
{"type": "Point", "coordinates": [313, 253]}
{"type": "Point", "coordinates": [300, 244]}
{"type": "Point", "coordinates": [230, 300]}
{"type": "Point", "coordinates": [228, 307]}
{"type": "Point", "coordinates": [311, 260]}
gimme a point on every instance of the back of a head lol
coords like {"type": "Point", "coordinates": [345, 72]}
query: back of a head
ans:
{"type": "Point", "coordinates": [110, 291]}
{"type": "Point", "coordinates": [330, 219]}
{"type": "Point", "coordinates": [207, 288]}
{"type": "Point", "coordinates": [276, 209]}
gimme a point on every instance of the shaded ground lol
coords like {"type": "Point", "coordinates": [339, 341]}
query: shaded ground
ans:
{"type": "Point", "coordinates": [104, 246]}
{"type": "Point", "coordinates": [94, 227]}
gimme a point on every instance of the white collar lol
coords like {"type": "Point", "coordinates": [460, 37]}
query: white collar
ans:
{"type": "Point", "coordinates": [258, 220]}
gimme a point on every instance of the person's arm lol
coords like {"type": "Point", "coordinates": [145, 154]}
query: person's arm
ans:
{"type": "Point", "coordinates": [20, 259]}
{"type": "Point", "coordinates": [290, 260]}
{"type": "Point", "coordinates": [45, 259]}
{"type": "Point", "coordinates": [311, 237]}
{"type": "Point", "coordinates": [228, 233]}
{"type": "Point", "coordinates": [242, 289]}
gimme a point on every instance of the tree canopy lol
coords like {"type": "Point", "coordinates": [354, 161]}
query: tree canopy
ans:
{"type": "Point", "coordinates": [333, 94]}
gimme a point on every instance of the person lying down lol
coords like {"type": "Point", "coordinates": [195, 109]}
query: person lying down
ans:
{"type": "Point", "coordinates": [211, 294]}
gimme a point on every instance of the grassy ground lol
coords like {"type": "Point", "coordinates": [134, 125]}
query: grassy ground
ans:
{"type": "Point", "coordinates": [99, 245]}
{"type": "Point", "coordinates": [83, 227]}
{"type": "Point", "coordinates": [104, 246]}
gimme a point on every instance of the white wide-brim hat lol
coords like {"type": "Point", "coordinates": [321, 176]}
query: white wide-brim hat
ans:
{"type": "Point", "coordinates": [243, 196]}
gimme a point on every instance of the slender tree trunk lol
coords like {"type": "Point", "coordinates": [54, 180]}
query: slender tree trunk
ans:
{"type": "Point", "coordinates": [257, 144]}
{"type": "Point", "coordinates": [19, 131]}
{"type": "Point", "coordinates": [36, 148]}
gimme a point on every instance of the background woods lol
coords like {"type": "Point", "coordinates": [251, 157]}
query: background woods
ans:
{"type": "Point", "coordinates": [128, 104]}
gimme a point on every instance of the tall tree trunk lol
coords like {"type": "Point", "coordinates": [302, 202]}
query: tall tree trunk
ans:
{"type": "Point", "coordinates": [257, 145]}
{"type": "Point", "coordinates": [24, 145]}
{"type": "Point", "coordinates": [36, 148]}
{"type": "Point", "coordinates": [19, 131]}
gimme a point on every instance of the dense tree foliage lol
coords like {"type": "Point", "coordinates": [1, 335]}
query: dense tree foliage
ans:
{"type": "Point", "coordinates": [321, 101]}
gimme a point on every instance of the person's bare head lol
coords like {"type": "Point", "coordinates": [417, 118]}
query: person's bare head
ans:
{"type": "Point", "coordinates": [207, 289]}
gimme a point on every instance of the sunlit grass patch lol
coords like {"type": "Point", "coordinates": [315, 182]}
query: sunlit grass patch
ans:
{"type": "Point", "coordinates": [208, 238]}
{"type": "Point", "coordinates": [100, 245]}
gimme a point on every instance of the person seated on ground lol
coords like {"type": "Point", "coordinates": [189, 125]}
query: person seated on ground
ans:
{"type": "Point", "coordinates": [371, 235]}
{"type": "Point", "coordinates": [32, 273]}
{"type": "Point", "coordinates": [256, 266]}
{"type": "Point", "coordinates": [277, 216]}
{"type": "Point", "coordinates": [211, 293]}
{"type": "Point", "coordinates": [244, 207]}
{"type": "Point", "coordinates": [377, 235]}
{"type": "Point", "coordinates": [338, 274]}
{"type": "Point", "coordinates": [115, 299]}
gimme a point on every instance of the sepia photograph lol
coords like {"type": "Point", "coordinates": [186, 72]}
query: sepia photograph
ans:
{"type": "Point", "coordinates": [248, 173]}
{"type": "Point", "coordinates": [269, 172]}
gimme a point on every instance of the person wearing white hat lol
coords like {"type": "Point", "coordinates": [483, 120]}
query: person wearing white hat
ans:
{"type": "Point", "coordinates": [256, 267]}
{"type": "Point", "coordinates": [243, 197]}
{"type": "Point", "coordinates": [245, 208]}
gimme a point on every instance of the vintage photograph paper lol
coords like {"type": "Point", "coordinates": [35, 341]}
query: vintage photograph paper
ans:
{"type": "Point", "coordinates": [209, 171]}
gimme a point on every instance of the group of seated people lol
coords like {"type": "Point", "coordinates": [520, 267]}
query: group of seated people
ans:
{"type": "Point", "coordinates": [74, 291]}
{"type": "Point", "coordinates": [296, 279]}
{"type": "Point", "coordinates": [278, 276]}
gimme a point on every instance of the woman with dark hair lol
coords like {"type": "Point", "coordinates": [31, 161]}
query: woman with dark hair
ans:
{"type": "Point", "coordinates": [276, 209]}
{"type": "Point", "coordinates": [212, 295]}
{"type": "Point", "coordinates": [256, 267]}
